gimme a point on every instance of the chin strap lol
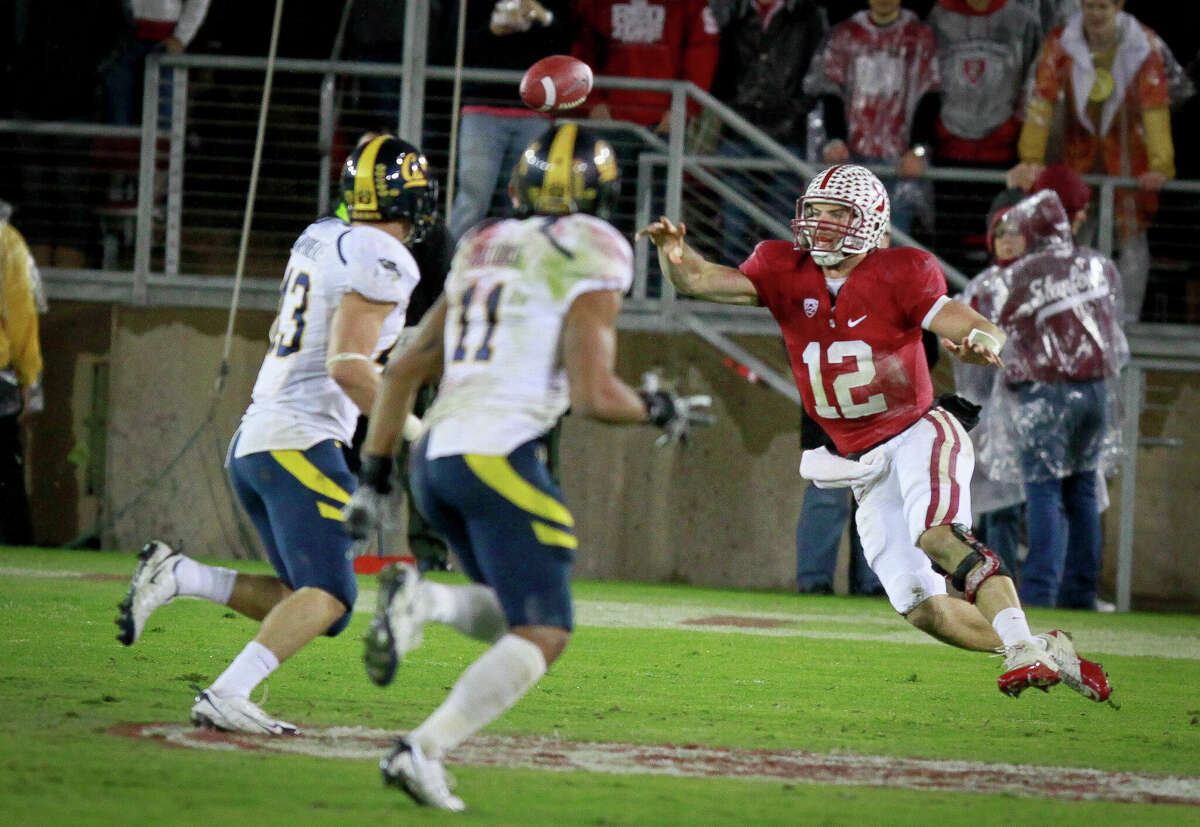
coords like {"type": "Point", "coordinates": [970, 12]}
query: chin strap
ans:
{"type": "Point", "coordinates": [827, 258]}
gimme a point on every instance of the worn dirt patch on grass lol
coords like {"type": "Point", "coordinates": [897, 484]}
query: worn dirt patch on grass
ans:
{"type": "Point", "coordinates": [693, 760]}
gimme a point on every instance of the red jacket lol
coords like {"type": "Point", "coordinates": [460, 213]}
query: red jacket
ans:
{"type": "Point", "coordinates": [672, 40]}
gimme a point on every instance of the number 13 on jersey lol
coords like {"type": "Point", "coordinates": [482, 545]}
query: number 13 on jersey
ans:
{"type": "Point", "coordinates": [843, 405]}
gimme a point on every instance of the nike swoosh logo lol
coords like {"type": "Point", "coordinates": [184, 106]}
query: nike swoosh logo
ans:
{"type": "Point", "coordinates": [853, 322]}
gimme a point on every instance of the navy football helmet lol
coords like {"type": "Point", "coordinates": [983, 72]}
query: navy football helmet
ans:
{"type": "Point", "coordinates": [387, 179]}
{"type": "Point", "coordinates": [566, 170]}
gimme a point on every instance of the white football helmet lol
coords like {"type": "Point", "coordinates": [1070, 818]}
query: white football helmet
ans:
{"type": "Point", "coordinates": [848, 185]}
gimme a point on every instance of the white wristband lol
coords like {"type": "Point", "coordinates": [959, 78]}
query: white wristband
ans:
{"type": "Point", "coordinates": [984, 339]}
{"type": "Point", "coordinates": [346, 357]}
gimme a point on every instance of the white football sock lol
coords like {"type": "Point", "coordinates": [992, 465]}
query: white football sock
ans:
{"type": "Point", "coordinates": [489, 687]}
{"type": "Point", "coordinates": [198, 580]}
{"type": "Point", "coordinates": [1011, 626]}
{"type": "Point", "coordinates": [248, 670]}
{"type": "Point", "coordinates": [473, 610]}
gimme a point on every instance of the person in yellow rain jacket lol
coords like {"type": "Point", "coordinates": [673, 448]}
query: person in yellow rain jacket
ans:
{"type": "Point", "coordinates": [20, 375]}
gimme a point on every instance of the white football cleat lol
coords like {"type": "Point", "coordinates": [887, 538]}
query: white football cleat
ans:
{"type": "Point", "coordinates": [397, 627]}
{"type": "Point", "coordinates": [422, 778]}
{"type": "Point", "coordinates": [1027, 664]}
{"type": "Point", "coordinates": [153, 585]}
{"type": "Point", "coordinates": [236, 714]}
{"type": "Point", "coordinates": [1084, 676]}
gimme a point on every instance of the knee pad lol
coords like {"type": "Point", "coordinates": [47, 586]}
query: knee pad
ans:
{"type": "Point", "coordinates": [977, 566]}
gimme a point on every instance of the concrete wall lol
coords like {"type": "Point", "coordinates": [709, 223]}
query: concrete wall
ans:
{"type": "Point", "coordinates": [721, 511]}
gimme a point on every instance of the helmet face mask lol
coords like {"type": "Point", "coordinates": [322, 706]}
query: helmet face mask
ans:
{"type": "Point", "coordinates": [387, 179]}
{"type": "Point", "coordinates": [566, 170]}
{"type": "Point", "coordinates": [861, 195]}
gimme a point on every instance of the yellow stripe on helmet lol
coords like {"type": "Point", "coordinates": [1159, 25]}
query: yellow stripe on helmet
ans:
{"type": "Point", "coordinates": [556, 196]}
{"type": "Point", "coordinates": [365, 203]}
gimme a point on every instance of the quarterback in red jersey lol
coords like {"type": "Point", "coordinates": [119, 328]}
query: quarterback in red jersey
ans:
{"type": "Point", "coordinates": [851, 316]}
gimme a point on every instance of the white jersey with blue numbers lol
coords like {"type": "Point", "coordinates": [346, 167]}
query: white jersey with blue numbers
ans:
{"type": "Point", "coordinates": [295, 403]}
{"type": "Point", "coordinates": [510, 286]}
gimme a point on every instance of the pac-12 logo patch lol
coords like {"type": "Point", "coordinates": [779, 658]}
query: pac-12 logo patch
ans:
{"type": "Point", "coordinates": [810, 307]}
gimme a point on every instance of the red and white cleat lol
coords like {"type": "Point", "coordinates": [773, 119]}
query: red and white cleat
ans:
{"type": "Point", "coordinates": [1084, 676]}
{"type": "Point", "coordinates": [1027, 664]}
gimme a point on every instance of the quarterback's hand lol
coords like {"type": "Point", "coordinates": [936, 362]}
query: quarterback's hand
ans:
{"type": "Point", "coordinates": [978, 348]}
{"type": "Point", "coordinates": [673, 413]}
{"type": "Point", "coordinates": [667, 236]}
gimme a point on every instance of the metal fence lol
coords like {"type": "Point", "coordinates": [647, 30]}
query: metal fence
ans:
{"type": "Point", "coordinates": [155, 212]}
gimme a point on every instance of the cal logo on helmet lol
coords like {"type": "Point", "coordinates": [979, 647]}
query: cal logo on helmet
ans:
{"type": "Point", "coordinates": [387, 179]}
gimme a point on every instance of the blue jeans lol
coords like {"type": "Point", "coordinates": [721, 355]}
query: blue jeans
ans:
{"type": "Point", "coordinates": [1060, 428]}
{"type": "Point", "coordinates": [123, 86]}
{"type": "Point", "coordinates": [1064, 542]}
{"type": "Point", "coordinates": [1002, 533]}
{"type": "Point", "coordinates": [823, 516]}
{"type": "Point", "coordinates": [488, 148]}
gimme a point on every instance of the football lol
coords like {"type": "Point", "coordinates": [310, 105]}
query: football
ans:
{"type": "Point", "coordinates": [556, 83]}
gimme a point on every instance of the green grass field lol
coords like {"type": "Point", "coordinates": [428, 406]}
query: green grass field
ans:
{"type": "Point", "coordinates": [648, 665]}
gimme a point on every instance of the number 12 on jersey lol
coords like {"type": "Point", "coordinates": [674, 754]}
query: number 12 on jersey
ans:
{"type": "Point", "coordinates": [844, 406]}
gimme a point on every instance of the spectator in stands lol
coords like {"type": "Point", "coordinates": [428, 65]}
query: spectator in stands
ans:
{"type": "Point", "coordinates": [1053, 413]}
{"type": "Point", "coordinates": [21, 299]}
{"type": "Point", "coordinates": [765, 51]}
{"type": "Point", "coordinates": [1000, 504]}
{"type": "Point", "coordinates": [878, 82]}
{"type": "Point", "coordinates": [1109, 69]}
{"type": "Point", "coordinates": [986, 49]}
{"type": "Point", "coordinates": [645, 39]}
{"type": "Point", "coordinates": [495, 127]}
{"type": "Point", "coordinates": [158, 26]}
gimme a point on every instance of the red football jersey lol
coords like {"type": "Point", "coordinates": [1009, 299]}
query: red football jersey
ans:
{"type": "Point", "coordinates": [858, 359]}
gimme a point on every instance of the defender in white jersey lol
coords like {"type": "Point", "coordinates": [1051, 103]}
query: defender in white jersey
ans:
{"type": "Point", "coordinates": [524, 330]}
{"type": "Point", "coordinates": [342, 304]}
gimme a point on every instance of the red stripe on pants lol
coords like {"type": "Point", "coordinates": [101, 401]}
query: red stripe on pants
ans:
{"type": "Point", "coordinates": [945, 433]}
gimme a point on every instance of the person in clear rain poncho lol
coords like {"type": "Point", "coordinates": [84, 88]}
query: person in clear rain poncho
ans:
{"type": "Point", "coordinates": [1053, 418]}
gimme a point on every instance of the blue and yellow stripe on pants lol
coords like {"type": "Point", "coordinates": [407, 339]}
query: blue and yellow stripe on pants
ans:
{"type": "Point", "coordinates": [499, 475]}
{"type": "Point", "coordinates": [312, 478]}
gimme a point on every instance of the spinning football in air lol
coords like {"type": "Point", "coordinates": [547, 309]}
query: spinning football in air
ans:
{"type": "Point", "coordinates": [556, 83]}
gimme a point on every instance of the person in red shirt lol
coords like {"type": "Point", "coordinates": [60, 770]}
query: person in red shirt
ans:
{"type": "Point", "coordinates": [645, 39]}
{"type": "Point", "coordinates": [851, 315]}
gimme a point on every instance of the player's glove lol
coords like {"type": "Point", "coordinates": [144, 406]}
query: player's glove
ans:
{"type": "Point", "coordinates": [673, 413]}
{"type": "Point", "coordinates": [370, 503]}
